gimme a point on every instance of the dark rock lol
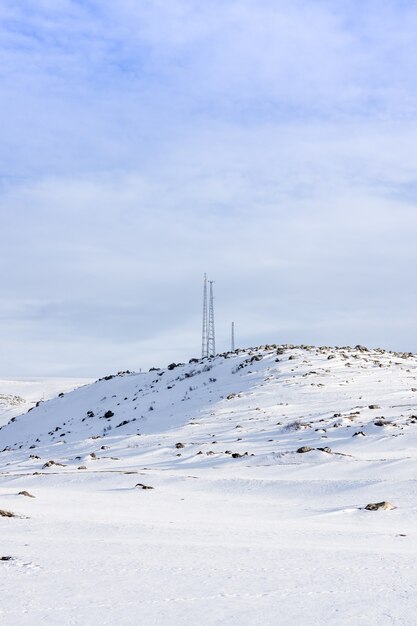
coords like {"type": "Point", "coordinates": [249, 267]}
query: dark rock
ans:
{"type": "Point", "coordinates": [361, 348]}
{"type": "Point", "coordinates": [142, 486]}
{"type": "Point", "coordinates": [179, 445]}
{"type": "Point", "coordinates": [377, 506]}
{"type": "Point", "coordinates": [50, 463]}
{"type": "Point", "coordinates": [25, 493]}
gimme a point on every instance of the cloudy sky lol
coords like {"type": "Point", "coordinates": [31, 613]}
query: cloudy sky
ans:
{"type": "Point", "coordinates": [270, 143]}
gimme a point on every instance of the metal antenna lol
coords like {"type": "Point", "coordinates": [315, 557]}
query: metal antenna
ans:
{"type": "Point", "coordinates": [233, 336]}
{"type": "Point", "coordinates": [204, 341]}
{"type": "Point", "coordinates": [211, 338]}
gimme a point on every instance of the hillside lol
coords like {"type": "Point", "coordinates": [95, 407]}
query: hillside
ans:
{"type": "Point", "coordinates": [261, 464]}
{"type": "Point", "coordinates": [18, 396]}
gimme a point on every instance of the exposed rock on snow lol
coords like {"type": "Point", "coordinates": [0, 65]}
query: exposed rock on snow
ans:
{"type": "Point", "coordinates": [304, 449]}
{"type": "Point", "coordinates": [25, 493]}
{"type": "Point", "coordinates": [380, 506]}
{"type": "Point", "coordinates": [4, 513]}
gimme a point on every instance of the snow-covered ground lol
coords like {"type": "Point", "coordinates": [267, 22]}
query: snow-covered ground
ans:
{"type": "Point", "coordinates": [239, 527]}
{"type": "Point", "coordinates": [19, 395]}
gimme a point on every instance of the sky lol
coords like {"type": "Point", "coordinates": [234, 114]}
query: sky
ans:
{"type": "Point", "coordinates": [271, 144]}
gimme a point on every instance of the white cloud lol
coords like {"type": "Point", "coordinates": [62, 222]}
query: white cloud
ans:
{"type": "Point", "coordinates": [145, 143]}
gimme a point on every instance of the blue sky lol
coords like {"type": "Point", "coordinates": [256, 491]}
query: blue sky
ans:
{"type": "Point", "coordinates": [271, 144]}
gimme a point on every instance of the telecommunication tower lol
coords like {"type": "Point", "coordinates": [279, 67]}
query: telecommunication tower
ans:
{"type": "Point", "coordinates": [233, 337]}
{"type": "Point", "coordinates": [204, 343]}
{"type": "Point", "coordinates": [211, 338]}
{"type": "Point", "coordinates": [208, 340]}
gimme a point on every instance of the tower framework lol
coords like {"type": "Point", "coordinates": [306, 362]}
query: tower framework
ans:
{"type": "Point", "coordinates": [208, 339]}
{"type": "Point", "coordinates": [211, 336]}
{"type": "Point", "coordinates": [204, 342]}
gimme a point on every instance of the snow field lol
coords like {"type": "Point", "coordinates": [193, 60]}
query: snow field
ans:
{"type": "Point", "coordinates": [279, 537]}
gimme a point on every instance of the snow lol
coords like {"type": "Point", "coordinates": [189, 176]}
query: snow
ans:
{"type": "Point", "coordinates": [17, 396]}
{"type": "Point", "coordinates": [270, 537]}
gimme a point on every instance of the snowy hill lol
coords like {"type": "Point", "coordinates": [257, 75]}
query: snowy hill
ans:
{"type": "Point", "coordinates": [261, 464]}
{"type": "Point", "coordinates": [17, 396]}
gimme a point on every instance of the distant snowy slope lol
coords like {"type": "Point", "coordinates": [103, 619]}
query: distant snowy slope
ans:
{"type": "Point", "coordinates": [261, 402]}
{"type": "Point", "coordinates": [18, 395]}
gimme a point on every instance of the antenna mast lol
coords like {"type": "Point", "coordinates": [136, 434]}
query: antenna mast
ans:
{"type": "Point", "coordinates": [233, 336]}
{"type": "Point", "coordinates": [211, 338]}
{"type": "Point", "coordinates": [204, 341]}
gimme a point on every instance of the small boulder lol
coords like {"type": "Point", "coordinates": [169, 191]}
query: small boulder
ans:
{"type": "Point", "coordinates": [26, 493]}
{"type": "Point", "coordinates": [51, 463]}
{"type": "Point", "coordinates": [304, 449]}
{"type": "Point", "coordinates": [380, 506]}
{"type": "Point", "coordinates": [381, 422]}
